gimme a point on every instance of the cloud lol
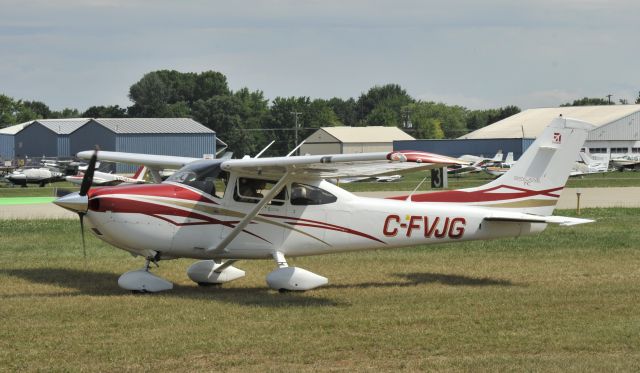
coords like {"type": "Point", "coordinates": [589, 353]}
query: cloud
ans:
{"type": "Point", "coordinates": [79, 53]}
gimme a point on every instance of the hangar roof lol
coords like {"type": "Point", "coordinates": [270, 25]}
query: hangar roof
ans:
{"type": "Point", "coordinates": [12, 130]}
{"type": "Point", "coordinates": [59, 126]}
{"type": "Point", "coordinates": [117, 125]}
{"type": "Point", "coordinates": [366, 134]}
{"type": "Point", "coordinates": [62, 126]}
{"type": "Point", "coordinates": [530, 123]}
{"type": "Point", "coordinates": [153, 125]}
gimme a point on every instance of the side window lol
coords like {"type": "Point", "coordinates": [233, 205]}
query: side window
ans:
{"type": "Point", "coordinates": [214, 185]}
{"type": "Point", "coordinates": [252, 190]}
{"type": "Point", "coordinates": [304, 195]}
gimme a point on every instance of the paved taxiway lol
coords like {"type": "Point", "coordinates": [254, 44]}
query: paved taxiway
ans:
{"type": "Point", "coordinates": [590, 197]}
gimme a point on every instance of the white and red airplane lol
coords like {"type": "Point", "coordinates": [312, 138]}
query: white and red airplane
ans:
{"type": "Point", "coordinates": [222, 211]}
{"type": "Point", "coordinates": [108, 179]}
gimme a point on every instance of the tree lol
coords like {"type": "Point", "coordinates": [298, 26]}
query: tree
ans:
{"type": "Point", "coordinates": [437, 120]}
{"type": "Point", "coordinates": [345, 110]}
{"type": "Point", "coordinates": [13, 112]}
{"type": "Point", "coordinates": [209, 84]}
{"type": "Point", "coordinates": [223, 115]}
{"type": "Point", "coordinates": [65, 113]}
{"type": "Point", "coordinates": [113, 111]}
{"type": "Point", "coordinates": [282, 119]}
{"type": "Point", "coordinates": [387, 99]}
{"type": "Point", "coordinates": [480, 118]}
{"type": "Point", "coordinates": [320, 114]}
{"type": "Point", "coordinates": [638, 99]}
{"type": "Point", "coordinates": [39, 108]}
{"type": "Point", "coordinates": [589, 101]}
{"type": "Point", "coordinates": [170, 93]}
{"type": "Point", "coordinates": [150, 95]}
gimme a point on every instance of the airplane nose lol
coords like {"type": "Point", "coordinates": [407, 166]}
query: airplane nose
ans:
{"type": "Point", "coordinates": [73, 202]}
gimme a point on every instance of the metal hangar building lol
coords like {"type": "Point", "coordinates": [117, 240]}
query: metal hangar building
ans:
{"type": "Point", "coordinates": [63, 138]}
{"type": "Point", "coordinates": [348, 140]}
{"type": "Point", "coordinates": [617, 132]}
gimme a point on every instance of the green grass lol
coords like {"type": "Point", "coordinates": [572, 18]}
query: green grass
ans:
{"type": "Point", "coordinates": [566, 300]}
{"type": "Point", "coordinates": [9, 191]}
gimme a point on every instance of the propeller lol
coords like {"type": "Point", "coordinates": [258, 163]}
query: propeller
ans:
{"type": "Point", "coordinates": [87, 180]}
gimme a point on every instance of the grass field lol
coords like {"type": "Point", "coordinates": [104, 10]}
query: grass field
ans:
{"type": "Point", "coordinates": [566, 300]}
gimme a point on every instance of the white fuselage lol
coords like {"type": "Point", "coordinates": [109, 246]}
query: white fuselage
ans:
{"type": "Point", "coordinates": [175, 226]}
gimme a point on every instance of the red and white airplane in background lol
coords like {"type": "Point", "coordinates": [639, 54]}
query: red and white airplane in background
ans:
{"type": "Point", "coordinates": [108, 179]}
{"type": "Point", "coordinates": [222, 211]}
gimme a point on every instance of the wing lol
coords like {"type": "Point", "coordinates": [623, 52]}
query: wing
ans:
{"type": "Point", "coordinates": [340, 165]}
{"type": "Point", "coordinates": [149, 160]}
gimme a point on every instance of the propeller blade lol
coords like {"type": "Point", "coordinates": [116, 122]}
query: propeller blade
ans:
{"type": "Point", "coordinates": [87, 180]}
{"type": "Point", "coordinates": [84, 247]}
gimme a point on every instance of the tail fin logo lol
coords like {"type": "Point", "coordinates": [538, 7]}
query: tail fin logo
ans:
{"type": "Point", "coordinates": [557, 138]}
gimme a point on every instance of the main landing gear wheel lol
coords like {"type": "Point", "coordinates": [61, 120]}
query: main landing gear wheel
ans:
{"type": "Point", "coordinates": [213, 273]}
{"type": "Point", "coordinates": [143, 281]}
{"type": "Point", "coordinates": [287, 278]}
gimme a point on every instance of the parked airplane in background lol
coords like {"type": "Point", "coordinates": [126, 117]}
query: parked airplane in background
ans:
{"type": "Point", "coordinates": [40, 176]}
{"type": "Point", "coordinates": [108, 179]}
{"type": "Point", "coordinates": [499, 168]}
{"type": "Point", "coordinates": [222, 211]}
{"type": "Point", "coordinates": [474, 164]}
{"type": "Point", "coordinates": [589, 165]}
{"type": "Point", "coordinates": [629, 161]}
{"type": "Point", "coordinates": [378, 179]}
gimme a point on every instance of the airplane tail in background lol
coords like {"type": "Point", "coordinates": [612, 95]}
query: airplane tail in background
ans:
{"type": "Point", "coordinates": [140, 173]}
{"type": "Point", "coordinates": [534, 183]}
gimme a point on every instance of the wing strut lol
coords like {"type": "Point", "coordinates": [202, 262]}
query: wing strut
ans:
{"type": "Point", "coordinates": [221, 247]}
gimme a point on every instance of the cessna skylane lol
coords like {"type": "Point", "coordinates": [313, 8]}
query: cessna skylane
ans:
{"type": "Point", "coordinates": [220, 211]}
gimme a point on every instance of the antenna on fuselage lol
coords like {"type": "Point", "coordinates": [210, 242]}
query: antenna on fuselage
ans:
{"type": "Point", "coordinates": [416, 188]}
{"type": "Point", "coordinates": [265, 149]}
{"type": "Point", "coordinates": [296, 148]}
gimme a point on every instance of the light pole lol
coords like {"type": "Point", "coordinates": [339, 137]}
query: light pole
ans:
{"type": "Point", "coordinates": [296, 114]}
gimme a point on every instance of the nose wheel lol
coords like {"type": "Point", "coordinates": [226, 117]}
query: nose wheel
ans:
{"type": "Point", "coordinates": [143, 281]}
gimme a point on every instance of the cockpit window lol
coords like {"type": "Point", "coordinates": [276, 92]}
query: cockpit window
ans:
{"type": "Point", "coordinates": [203, 175]}
{"type": "Point", "coordinates": [303, 194]}
{"type": "Point", "coordinates": [253, 190]}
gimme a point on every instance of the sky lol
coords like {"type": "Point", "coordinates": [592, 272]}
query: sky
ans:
{"type": "Point", "coordinates": [477, 54]}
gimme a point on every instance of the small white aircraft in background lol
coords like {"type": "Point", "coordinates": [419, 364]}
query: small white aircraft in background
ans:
{"type": "Point", "coordinates": [499, 168]}
{"type": "Point", "coordinates": [222, 211]}
{"type": "Point", "coordinates": [474, 164]}
{"type": "Point", "coordinates": [628, 161]}
{"type": "Point", "coordinates": [589, 166]}
{"type": "Point", "coordinates": [40, 176]}
{"type": "Point", "coordinates": [108, 179]}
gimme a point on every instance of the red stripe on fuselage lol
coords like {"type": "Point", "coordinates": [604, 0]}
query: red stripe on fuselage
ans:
{"type": "Point", "coordinates": [461, 196]}
{"type": "Point", "coordinates": [121, 205]}
{"type": "Point", "coordinates": [321, 224]}
{"type": "Point", "coordinates": [155, 190]}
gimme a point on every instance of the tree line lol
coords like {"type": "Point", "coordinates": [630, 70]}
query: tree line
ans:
{"type": "Point", "coordinates": [247, 121]}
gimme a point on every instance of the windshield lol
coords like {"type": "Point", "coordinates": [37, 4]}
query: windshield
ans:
{"type": "Point", "coordinates": [203, 175]}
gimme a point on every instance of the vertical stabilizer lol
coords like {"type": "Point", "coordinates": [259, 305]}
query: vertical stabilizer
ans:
{"type": "Point", "coordinates": [533, 184]}
{"type": "Point", "coordinates": [542, 171]}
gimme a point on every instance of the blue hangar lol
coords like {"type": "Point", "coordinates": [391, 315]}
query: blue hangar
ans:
{"type": "Point", "coordinates": [63, 138]}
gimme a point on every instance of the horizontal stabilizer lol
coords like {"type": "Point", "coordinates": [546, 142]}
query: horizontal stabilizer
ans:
{"type": "Point", "coordinates": [529, 218]}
